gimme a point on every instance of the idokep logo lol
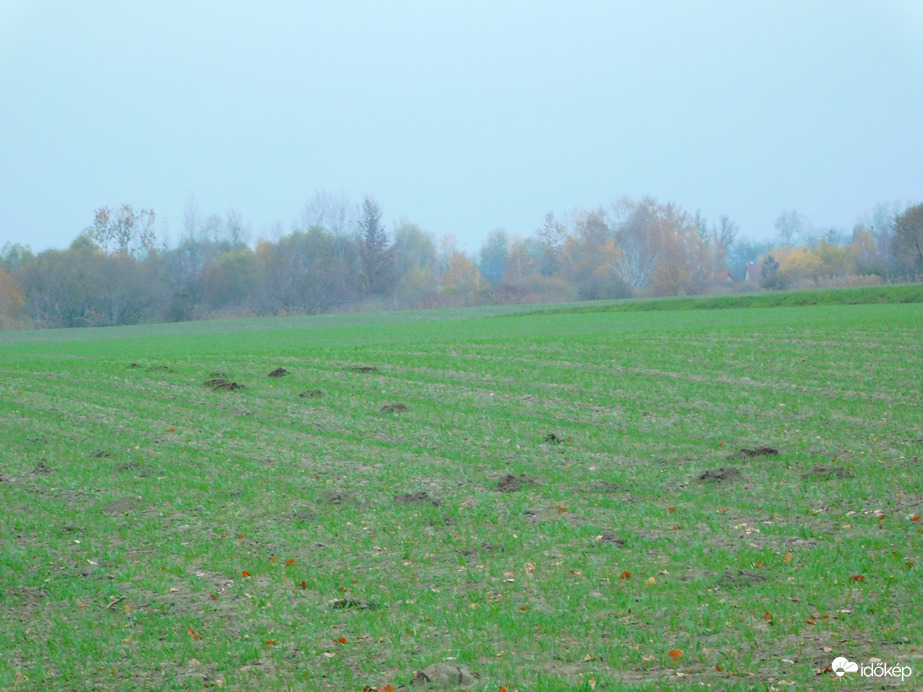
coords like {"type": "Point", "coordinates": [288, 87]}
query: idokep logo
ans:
{"type": "Point", "coordinates": [841, 666]}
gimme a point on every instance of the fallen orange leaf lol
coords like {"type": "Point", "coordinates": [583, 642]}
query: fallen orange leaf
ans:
{"type": "Point", "coordinates": [193, 634]}
{"type": "Point", "coordinates": [858, 577]}
{"type": "Point", "coordinates": [625, 575]}
{"type": "Point", "coordinates": [788, 557]}
{"type": "Point", "coordinates": [240, 535]}
{"type": "Point", "coordinates": [213, 597]}
{"type": "Point", "coordinates": [671, 509]}
{"type": "Point", "coordinates": [767, 616]}
{"type": "Point", "coordinates": [290, 562]}
{"type": "Point", "coordinates": [676, 654]}
{"type": "Point", "coordinates": [915, 517]}
{"type": "Point", "coordinates": [245, 573]}
{"type": "Point", "coordinates": [562, 509]}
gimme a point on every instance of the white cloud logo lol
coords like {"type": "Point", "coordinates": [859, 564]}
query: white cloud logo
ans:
{"type": "Point", "coordinates": [841, 666]}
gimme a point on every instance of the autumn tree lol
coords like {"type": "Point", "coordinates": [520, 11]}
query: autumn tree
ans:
{"type": "Point", "coordinates": [907, 245]}
{"type": "Point", "coordinates": [493, 255]}
{"type": "Point", "coordinates": [415, 266]}
{"type": "Point", "coordinates": [375, 252]}
{"type": "Point", "coordinates": [11, 300]}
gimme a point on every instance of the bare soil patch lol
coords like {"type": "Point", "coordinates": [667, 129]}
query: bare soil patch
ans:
{"type": "Point", "coordinates": [393, 408]}
{"type": "Point", "coordinates": [419, 497]}
{"type": "Point", "coordinates": [364, 368]}
{"type": "Point", "coordinates": [311, 394]}
{"type": "Point", "coordinates": [745, 453]}
{"type": "Point", "coordinates": [222, 383]}
{"type": "Point", "coordinates": [826, 473]}
{"type": "Point", "coordinates": [278, 372]}
{"type": "Point", "coordinates": [511, 484]}
{"type": "Point", "coordinates": [722, 475]}
{"type": "Point", "coordinates": [444, 676]}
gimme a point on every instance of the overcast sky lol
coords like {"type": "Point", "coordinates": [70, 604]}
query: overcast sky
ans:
{"type": "Point", "coordinates": [460, 116]}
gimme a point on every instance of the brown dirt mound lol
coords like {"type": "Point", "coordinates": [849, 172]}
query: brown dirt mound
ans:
{"type": "Point", "coordinates": [745, 453]}
{"type": "Point", "coordinates": [609, 538]}
{"type": "Point", "coordinates": [222, 383]}
{"type": "Point", "coordinates": [416, 498]}
{"type": "Point", "coordinates": [511, 484]}
{"type": "Point", "coordinates": [553, 439]}
{"type": "Point", "coordinates": [722, 475]}
{"type": "Point", "coordinates": [278, 372]}
{"type": "Point", "coordinates": [826, 473]}
{"type": "Point", "coordinates": [364, 368]}
{"type": "Point", "coordinates": [42, 467]}
{"type": "Point", "coordinates": [393, 408]}
{"type": "Point", "coordinates": [311, 394]}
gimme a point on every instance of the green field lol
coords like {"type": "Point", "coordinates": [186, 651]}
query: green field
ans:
{"type": "Point", "coordinates": [608, 500]}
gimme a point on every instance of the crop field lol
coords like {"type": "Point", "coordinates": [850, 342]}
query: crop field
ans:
{"type": "Point", "coordinates": [727, 499]}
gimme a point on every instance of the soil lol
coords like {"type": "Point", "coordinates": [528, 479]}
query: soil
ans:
{"type": "Point", "coordinates": [416, 498]}
{"type": "Point", "coordinates": [826, 473]}
{"type": "Point", "coordinates": [335, 497]}
{"type": "Point", "coordinates": [553, 439]}
{"type": "Point", "coordinates": [745, 453]}
{"type": "Point", "coordinates": [364, 368]}
{"type": "Point", "coordinates": [222, 383]}
{"type": "Point", "coordinates": [445, 676]}
{"type": "Point", "coordinates": [609, 538]}
{"type": "Point", "coordinates": [511, 484]}
{"type": "Point", "coordinates": [311, 394]}
{"type": "Point", "coordinates": [123, 506]}
{"type": "Point", "coordinates": [278, 372]}
{"type": "Point", "coordinates": [42, 467]}
{"type": "Point", "coordinates": [741, 579]}
{"type": "Point", "coordinates": [722, 475]}
{"type": "Point", "coordinates": [346, 603]}
{"type": "Point", "coordinates": [393, 408]}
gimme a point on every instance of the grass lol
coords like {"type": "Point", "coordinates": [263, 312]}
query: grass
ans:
{"type": "Point", "coordinates": [540, 514]}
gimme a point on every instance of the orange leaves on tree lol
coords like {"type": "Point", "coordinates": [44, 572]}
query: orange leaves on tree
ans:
{"type": "Point", "coordinates": [676, 654]}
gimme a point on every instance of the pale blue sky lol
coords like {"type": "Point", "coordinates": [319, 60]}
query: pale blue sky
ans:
{"type": "Point", "coordinates": [461, 116]}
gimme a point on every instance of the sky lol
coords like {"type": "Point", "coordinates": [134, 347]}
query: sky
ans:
{"type": "Point", "coordinates": [462, 117]}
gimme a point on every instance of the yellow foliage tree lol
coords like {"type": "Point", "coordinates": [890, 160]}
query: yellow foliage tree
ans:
{"type": "Point", "coordinates": [11, 300]}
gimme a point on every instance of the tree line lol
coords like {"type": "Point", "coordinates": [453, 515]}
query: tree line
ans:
{"type": "Point", "coordinates": [341, 256]}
